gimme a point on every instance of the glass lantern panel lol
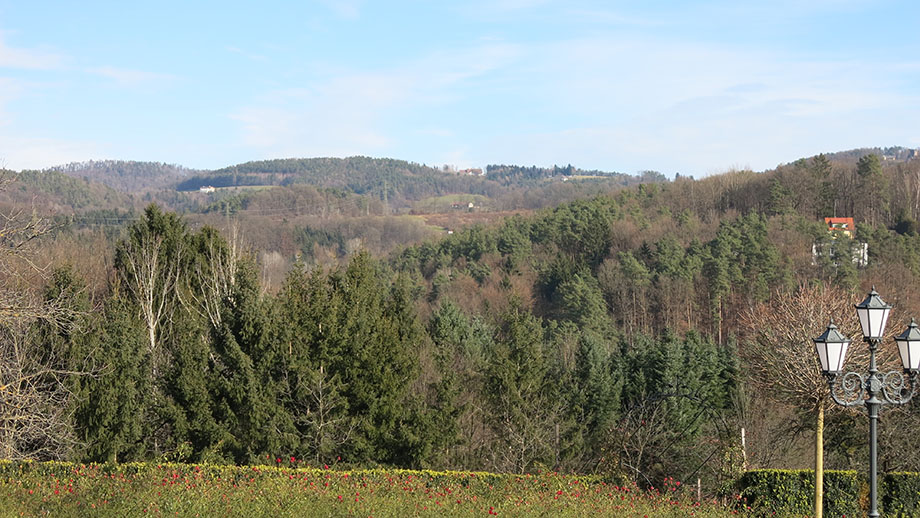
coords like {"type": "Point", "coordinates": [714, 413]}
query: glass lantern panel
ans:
{"type": "Point", "coordinates": [910, 358]}
{"type": "Point", "coordinates": [836, 353]}
{"type": "Point", "coordinates": [873, 321]}
{"type": "Point", "coordinates": [864, 321]}
{"type": "Point", "coordinates": [822, 354]}
{"type": "Point", "coordinates": [880, 319]}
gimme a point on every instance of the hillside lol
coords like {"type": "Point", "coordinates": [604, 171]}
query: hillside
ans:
{"type": "Point", "coordinates": [361, 175]}
{"type": "Point", "coordinates": [318, 209]}
{"type": "Point", "coordinates": [890, 154]}
{"type": "Point", "coordinates": [55, 193]}
{"type": "Point", "coordinates": [397, 183]}
{"type": "Point", "coordinates": [126, 176]}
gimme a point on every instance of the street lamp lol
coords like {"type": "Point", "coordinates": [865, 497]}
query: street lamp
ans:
{"type": "Point", "coordinates": [871, 389]}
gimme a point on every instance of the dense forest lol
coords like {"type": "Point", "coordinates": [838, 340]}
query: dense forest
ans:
{"type": "Point", "coordinates": [126, 176]}
{"type": "Point", "coordinates": [618, 331]}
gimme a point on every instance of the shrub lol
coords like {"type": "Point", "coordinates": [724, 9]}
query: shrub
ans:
{"type": "Point", "coordinates": [774, 492]}
{"type": "Point", "coordinates": [900, 494]}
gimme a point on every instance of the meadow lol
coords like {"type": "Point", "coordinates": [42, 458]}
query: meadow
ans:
{"type": "Point", "coordinates": [290, 489]}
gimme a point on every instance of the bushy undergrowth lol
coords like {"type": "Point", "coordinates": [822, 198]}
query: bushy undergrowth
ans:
{"type": "Point", "coordinates": [64, 490]}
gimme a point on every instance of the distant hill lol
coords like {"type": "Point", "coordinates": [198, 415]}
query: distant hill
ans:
{"type": "Point", "coordinates": [894, 153]}
{"type": "Point", "coordinates": [56, 192]}
{"type": "Point", "coordinates": [397, 182]}
{"type": "Point", "coordinates": [320, 187]}
{"type": "Point", "coordinates": [125, 175]}
{"type": "Point", "coordinates": [508, 174]}
{"type": "Point", "coordinates": [381, 177]}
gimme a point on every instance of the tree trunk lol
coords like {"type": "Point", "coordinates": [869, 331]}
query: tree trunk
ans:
{"type": "Point", "coordinates": [819, 462]}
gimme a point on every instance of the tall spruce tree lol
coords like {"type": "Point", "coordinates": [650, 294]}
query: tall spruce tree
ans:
{"type": "Point", "coordinates": [522, 406]}
{"type": "Point", "coordinates": [459, 344]}
{"type": "Point", "coordinates": [377, 359]}
{"type": "Point", "coordinates": [111, 419]}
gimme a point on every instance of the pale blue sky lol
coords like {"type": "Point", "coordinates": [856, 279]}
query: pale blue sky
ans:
{"type": "Point", "coordinates": [689, 87]}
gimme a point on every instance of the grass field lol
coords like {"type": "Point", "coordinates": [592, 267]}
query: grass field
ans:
{"type": "Point", "coordinates": [447, 203]}
{"type": "Point", "coordinates": [70, 490]}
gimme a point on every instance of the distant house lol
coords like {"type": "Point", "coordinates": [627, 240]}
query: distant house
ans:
{"type": "Point", "coordinates": [206, 189]}
{"type": "Point", "coordinates": [841, 225]}
{"type": "Point", "coordinates": [836, 228]}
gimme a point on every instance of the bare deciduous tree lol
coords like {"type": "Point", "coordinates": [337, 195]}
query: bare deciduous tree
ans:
{"type": "Point", "coordinates": [150, 264]}
{"type": "Point", "coordinates": [34, 400]}
{"type": "Point", "coordinates": [781, 355]}
{"type": "Point", "coordinates": [34, 419]}
{"type": "Point", "coordinates": [213, 273]}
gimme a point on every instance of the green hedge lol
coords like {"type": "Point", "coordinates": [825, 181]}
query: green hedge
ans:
{"type": "Point", "coordinates": [900, 495]}
{"type": "Point", "coordinates": [286, 490]}
{"type": "Point", "coordinates": [775, 492]}
{"type": "Point", "coordinates": [14, 470]}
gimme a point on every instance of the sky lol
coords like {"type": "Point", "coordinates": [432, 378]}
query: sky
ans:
{"type": "Point", "coordinates": [689, 87]}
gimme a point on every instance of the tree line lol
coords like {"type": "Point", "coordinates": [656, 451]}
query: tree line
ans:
{"type": "Point", "coordinates": [608, 334]}
{"type": "Point", "coordinates": [186, 358]}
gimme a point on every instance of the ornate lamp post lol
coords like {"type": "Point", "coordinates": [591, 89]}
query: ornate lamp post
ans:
{"type": "Point", "coordinates": [872, 389]}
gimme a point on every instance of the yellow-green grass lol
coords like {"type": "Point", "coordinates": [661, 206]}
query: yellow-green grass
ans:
{"type": "Point", "coordinates": [446, 203]}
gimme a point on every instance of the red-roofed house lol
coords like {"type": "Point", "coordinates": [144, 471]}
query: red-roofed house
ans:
{"type": "Point", "coordinates": [844, 225]}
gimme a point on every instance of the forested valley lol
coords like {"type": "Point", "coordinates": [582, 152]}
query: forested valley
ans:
{"type": "Point", "coordinates": [613, 326]}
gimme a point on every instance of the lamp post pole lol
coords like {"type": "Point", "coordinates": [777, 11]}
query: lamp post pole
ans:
{"type": "Point", "coordinates": [872, 405]}
{"type": "Point", "coordinates": [872, 390]}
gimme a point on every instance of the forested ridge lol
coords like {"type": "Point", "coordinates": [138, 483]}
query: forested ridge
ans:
{"type": "Point", "coordinates": [320, 209]}
{"type": "Point", "coordinates": [126, 175]}
{"type": "Point", "coordinates": [614, 333]}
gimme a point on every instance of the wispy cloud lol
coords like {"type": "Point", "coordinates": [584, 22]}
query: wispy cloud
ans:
{"type": "Point", "coordinates": [131, 77]}
{"type": "Point", "coordinates": [20, 153]}
{"type": "Point", "coordinates": [348, 9]}
{"type": "Point", "coordinates": [495, 10]}
{"type": "Point", "coordinates": [246, 54]}
{"type": "Point", "coordinates": [515, 5]}
{"type": "Point", "coordinates": [615, 17]}
{"type": "Point", "coordinates": [29, 59]}
{"type": "Point", "coordinates": [631, 103]}
{"type": "Point", "coordinates": [9, 90]}
{"type": "Point", "coordinates": [348, 113]}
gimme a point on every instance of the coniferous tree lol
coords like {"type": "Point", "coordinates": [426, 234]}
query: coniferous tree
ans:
{"type": "Point", "coordinates": [459, 344]}
{"type": "Point", "coordinates": [111, 417]}
{"type": "Point", "coordinates": [593, 404]}
{"type": "Point", "coordinates": [523, 410]}
{"type": "Point", "coordinates": [300, 362]}
{"type": "Point", "coordinates": [873, 189]}
{"type": "Point", "coordinates": [238, 396]}
{"type": "Point", "coordinates": [677, 388]}
{"type": "Point", "coordinates": [821, 170]}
